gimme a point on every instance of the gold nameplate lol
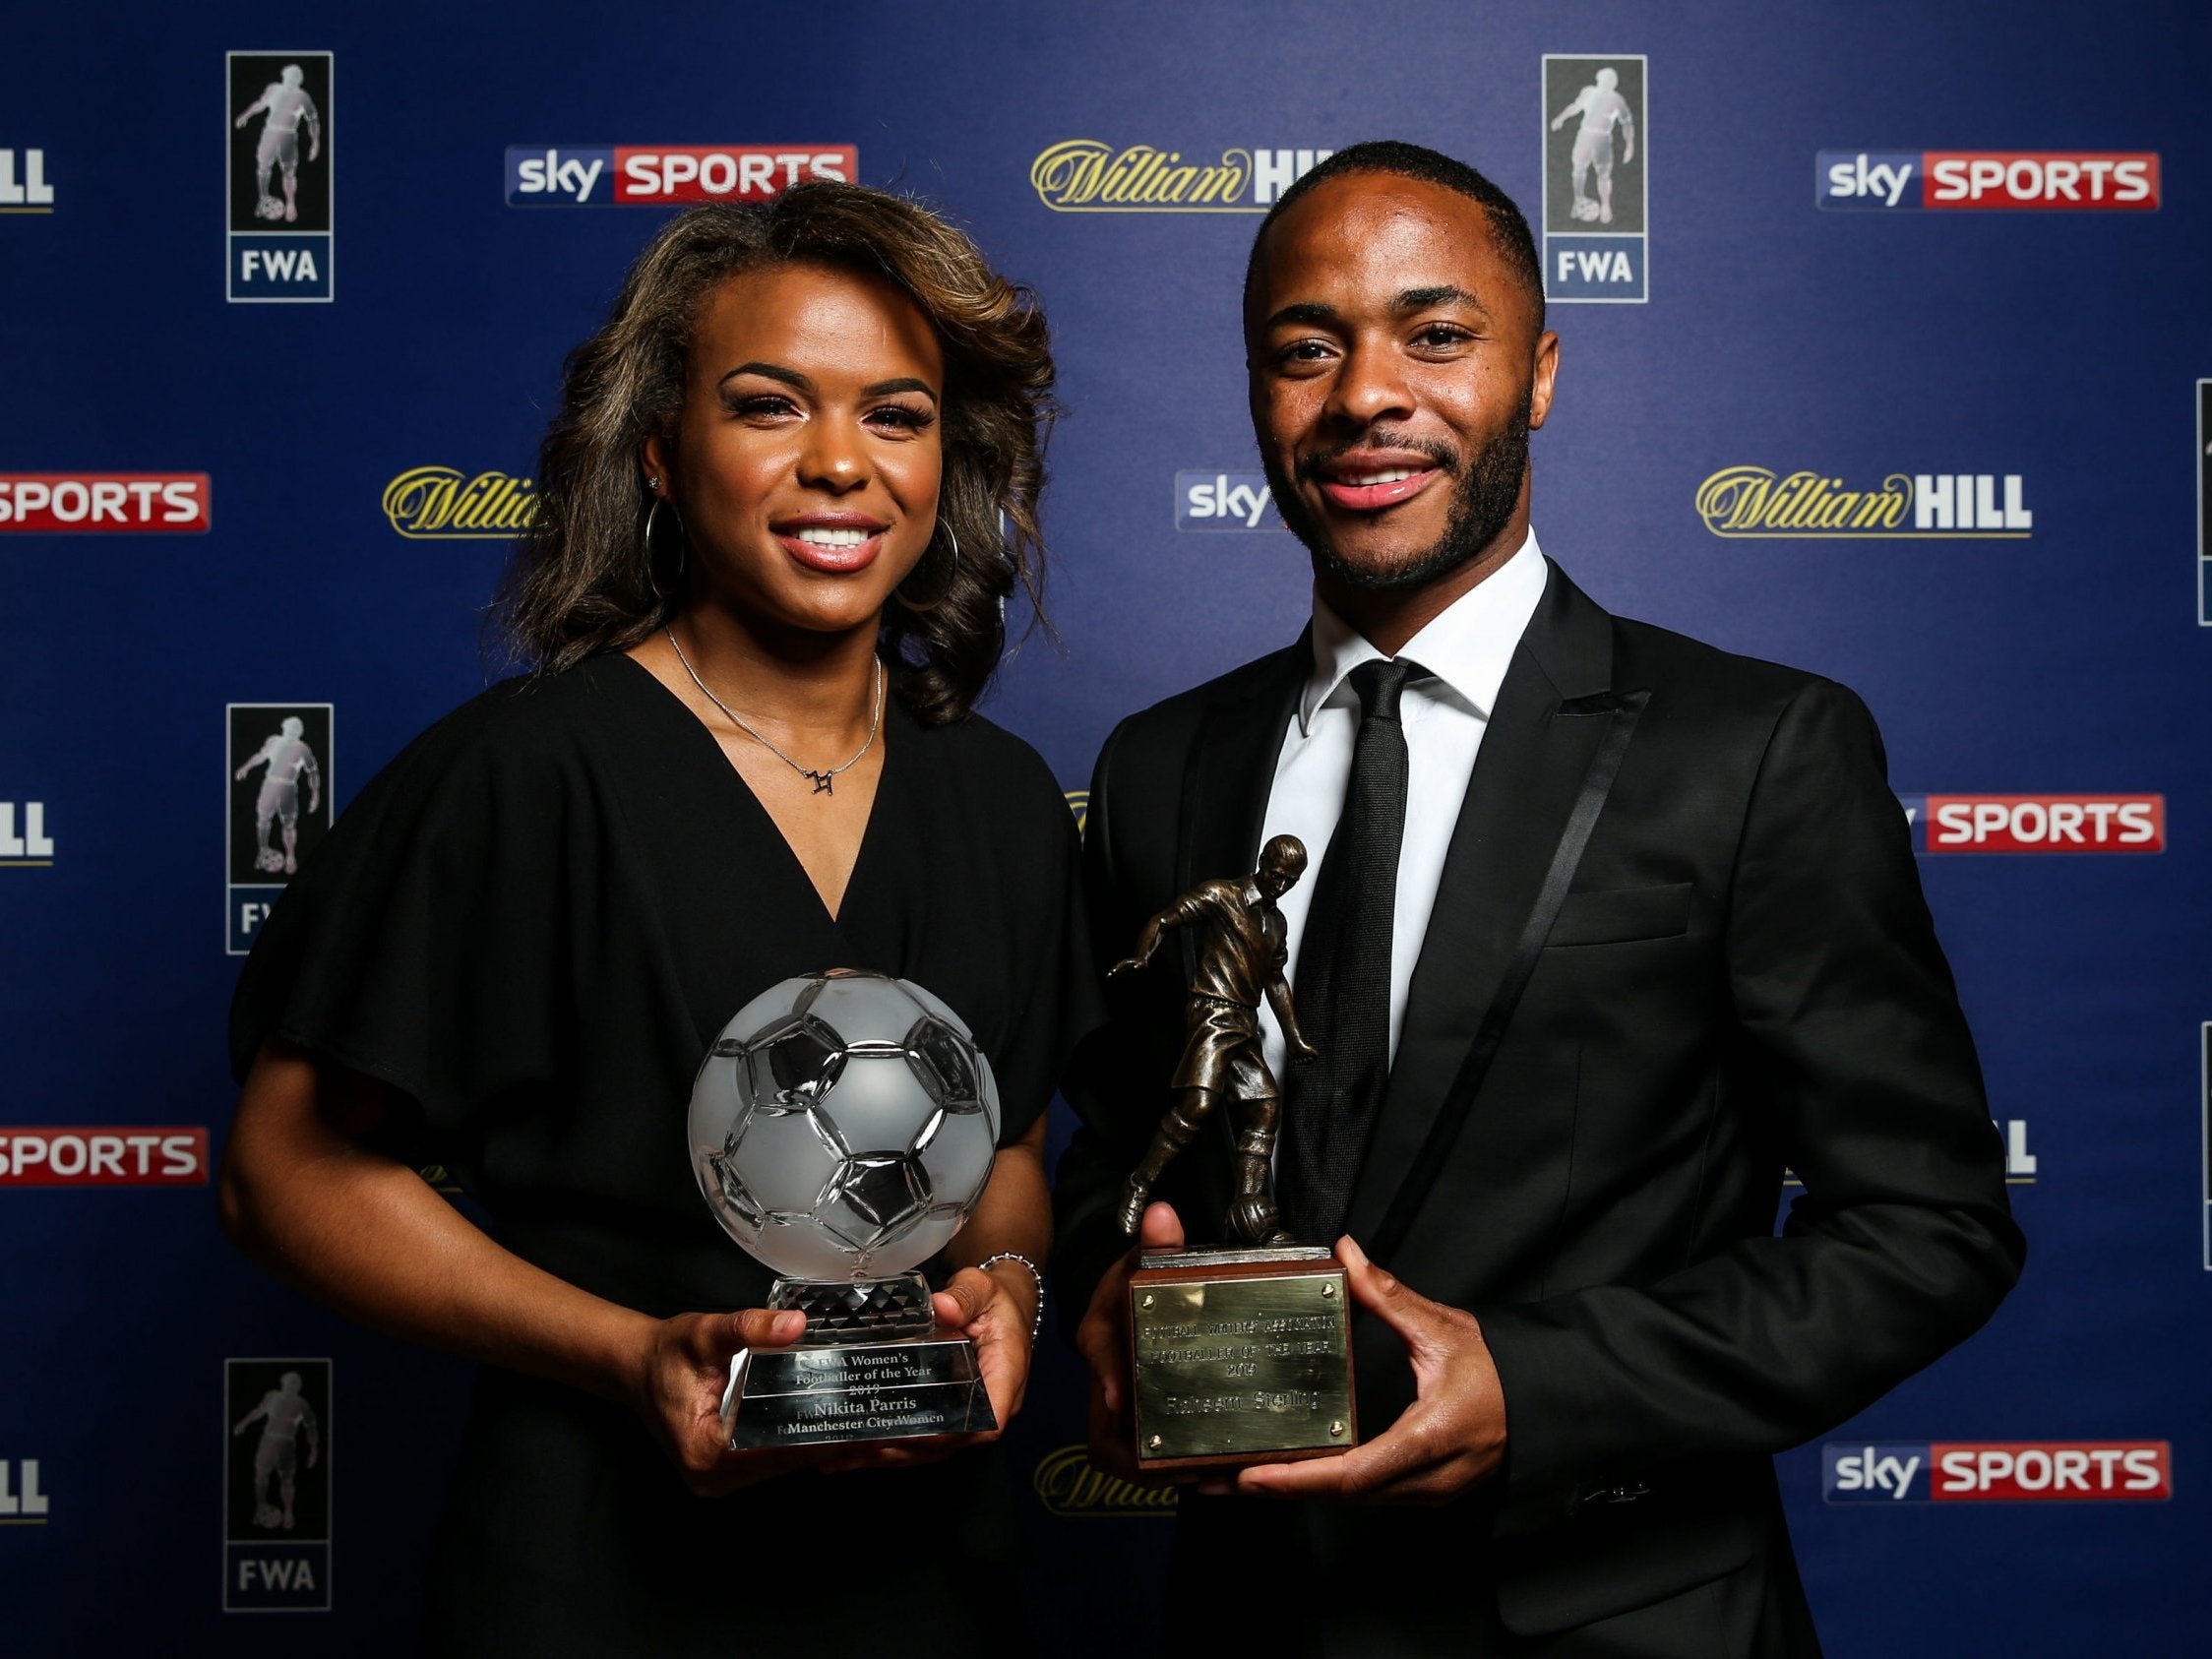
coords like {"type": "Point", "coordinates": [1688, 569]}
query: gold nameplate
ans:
{"type": "Point", "coordinates": [1242, 1357]}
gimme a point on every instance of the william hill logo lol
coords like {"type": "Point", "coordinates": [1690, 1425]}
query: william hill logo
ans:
{"type": "Point", "coordinates": [1087, 176]}
{"type": "Point", "coordinates": [443, 503]}
{"type": "Point", "coordinates": [1071, 1485]}
{"type": "Point", "coordinates": [1754, 501]}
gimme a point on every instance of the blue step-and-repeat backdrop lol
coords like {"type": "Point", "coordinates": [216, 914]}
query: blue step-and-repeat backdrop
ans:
{"type": "Point", "coordinates": [1888, 357]}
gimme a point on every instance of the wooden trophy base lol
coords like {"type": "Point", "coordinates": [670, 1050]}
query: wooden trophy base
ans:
{"type": "Point", "coordinates": [1241, 1356]}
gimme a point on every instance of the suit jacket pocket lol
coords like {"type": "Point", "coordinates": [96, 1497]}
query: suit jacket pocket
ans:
{"type": "Point", "coordinates": [1610, 1562]}
{"type": "Point", "coordinates": [1618, 915]}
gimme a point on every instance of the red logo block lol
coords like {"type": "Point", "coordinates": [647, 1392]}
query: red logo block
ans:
{"type": "Point", "coordinates": [166, 1156]}
{"type": "Point", "coordinates": [2045, 824]}
{"type": "Point", "coordinates": [104, 503]}
{"type": "Point", "coordinates": [2014, 179]}
{"type": "Point", "coordinates": [1998, 1471]}
{"type": "Point", "coordinates": [705, 173]}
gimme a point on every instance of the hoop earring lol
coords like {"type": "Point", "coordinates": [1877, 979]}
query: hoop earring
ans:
{"type": "Point", "coordinates": [683, 549]}
{"type": "Point", "coordinates": [951, 571]}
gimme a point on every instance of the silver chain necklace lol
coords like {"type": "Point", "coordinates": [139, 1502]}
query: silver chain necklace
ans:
{"type": "Point", "coordinates": [824, 782]}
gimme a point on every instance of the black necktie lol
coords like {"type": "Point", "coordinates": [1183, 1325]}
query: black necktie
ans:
{"type": "Point", "coordinates": [1342, 989]}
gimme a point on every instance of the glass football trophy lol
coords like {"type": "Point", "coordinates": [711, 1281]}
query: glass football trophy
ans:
{"type": "Point", "coordinates": [1239, 1355]}
{"type": "Point", "coordinates": [842, 1126]}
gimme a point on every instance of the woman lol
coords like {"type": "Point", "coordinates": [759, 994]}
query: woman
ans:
{"type": "Point", "coordinates": [793, 481]}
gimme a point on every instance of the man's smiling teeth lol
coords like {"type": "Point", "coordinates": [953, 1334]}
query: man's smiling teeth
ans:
{"type": "Point", "coordinates": [1390, 476]}
{"type": "Point", "coordinates": [821, 535]}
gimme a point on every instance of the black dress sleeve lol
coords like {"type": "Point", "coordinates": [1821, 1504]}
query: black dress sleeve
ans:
{"type": "Point", "coordinates": [421, 944]}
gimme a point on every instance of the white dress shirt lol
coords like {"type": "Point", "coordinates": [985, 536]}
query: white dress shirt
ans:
{"type": "Point", "coordinates": [1463, 656]}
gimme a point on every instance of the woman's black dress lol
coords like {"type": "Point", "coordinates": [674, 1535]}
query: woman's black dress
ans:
{"type": "Point", "coordinates": [530, 926]}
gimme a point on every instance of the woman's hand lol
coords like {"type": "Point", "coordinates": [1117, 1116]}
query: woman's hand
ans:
{"type": "Point", "coordinates": [996, 1309]}
{"type": "Point", "coordinates": [679, 1387]}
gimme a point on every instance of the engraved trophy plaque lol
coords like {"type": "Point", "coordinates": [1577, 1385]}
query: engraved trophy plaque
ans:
{"type": "Point", "coordinates": [842, 1126]}
{"type": "Point", "coordinates": [1239, 1355]}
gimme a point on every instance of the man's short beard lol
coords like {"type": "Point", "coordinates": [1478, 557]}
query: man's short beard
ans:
{"type": "Point", "coordinates": [1483, 502]}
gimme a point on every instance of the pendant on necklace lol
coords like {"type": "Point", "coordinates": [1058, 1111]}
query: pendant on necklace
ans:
{"type": "Point", "coordinates": [824, 782]}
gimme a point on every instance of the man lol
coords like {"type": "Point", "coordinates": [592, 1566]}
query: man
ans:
{"type": "Point", "coordinates": [1600, 107]}
{"type": "Point", "coordinates": [287, 104]}
{"type": "Point", "coordinates": [1240, 960]}
{"type": "Point", "coordinates": [1653, 933]}
{"type": "Point", "coordinates": [285, 1415]}
{"type": "Point", "coordinates": [287, 756]}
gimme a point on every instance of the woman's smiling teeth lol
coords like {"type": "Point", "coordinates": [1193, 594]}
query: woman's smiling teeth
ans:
{"type": "Point", "coordinates": [819, 535]}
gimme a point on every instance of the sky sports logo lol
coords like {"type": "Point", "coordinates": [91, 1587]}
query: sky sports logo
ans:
{"type": "Point", "coordinates": [166, 1156]}
{"type": "Point", "coordinates": [1997, 1472]}
{"type": "Point", "coordinates": [642, 176]}
{"type": "Point", "coordinates": [2080, 181]}
{"type": "Point", "coordinates": [104, 503]}
{"type": "Point", "coordinates": [2036, 822]}
{"type": "Point", "coordinates": [1225, 501]}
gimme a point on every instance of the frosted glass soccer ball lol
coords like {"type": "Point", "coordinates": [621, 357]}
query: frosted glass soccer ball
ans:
{"type": "Point", "coordinates": [842, 1126]}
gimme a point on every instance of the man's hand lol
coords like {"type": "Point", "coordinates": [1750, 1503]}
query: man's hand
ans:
{"type": "Point", "coordinates": [1450, 1439]}
{"type": "Point", "coordinates": [1103, 1340]}
{"type": "Point", "coordinates": [1128, 965]}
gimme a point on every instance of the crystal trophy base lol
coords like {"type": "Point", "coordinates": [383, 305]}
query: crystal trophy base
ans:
{"type": "Point", "coordinates": [873, 1366]}
{"type": "Point", "coordinates": [857, 1310]}
{"type": "Point", "coordinates": [1241, 1356]}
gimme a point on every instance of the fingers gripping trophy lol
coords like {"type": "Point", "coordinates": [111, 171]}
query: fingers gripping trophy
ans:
{"type": "Point", "coordinates": [1241, 1355]}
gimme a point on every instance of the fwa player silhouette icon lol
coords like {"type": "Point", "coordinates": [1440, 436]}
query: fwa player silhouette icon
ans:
{"type": "Point", "coordinates": [287, 756]}
{"type": "Point", "coordinates": [287, 104]}
{"type": "Point", "coordinates": [1602, 108]}
{"type": "Point", "coordinates": [284, 1416]}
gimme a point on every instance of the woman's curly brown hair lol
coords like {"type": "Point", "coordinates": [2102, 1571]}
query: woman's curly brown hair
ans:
{"type": "Point", "coordinates": [584, 580]}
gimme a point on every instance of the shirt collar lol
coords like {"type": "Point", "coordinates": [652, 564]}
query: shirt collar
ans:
{"type": "Point", "coordinates": [1467, 647]}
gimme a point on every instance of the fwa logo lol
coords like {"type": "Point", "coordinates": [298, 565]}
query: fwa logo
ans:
{"type": "Point", "coordinates": [1758, 502]}
{"type": "Point", "coordinates": [588, 175]}
{"type": "Point", "coordinates": [1091, 176]}
{"type": "Point", "coordinates": [27, 192]}
{"type": "Point", "coordinates": [1225, 501]}
{"type": "Point", "coordinates": [2036, 822]}
{"type": "Point", "coordinates": [1596, 140]}
{"type": "Point", "coordinates": [1881, 180]}
{"type": "Point", "coordinates": [277, 154]}
{"type": "Point", "coordinates": [279, 804]}
{"type": "Point", "coordinates": [2204, 502]}
{"type": "Point", "coordinates": [276, 1486]}
{"type": "Point", "coordinates": [1996, 1472]}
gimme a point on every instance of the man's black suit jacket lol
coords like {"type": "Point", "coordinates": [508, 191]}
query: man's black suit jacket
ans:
{"type": "Point", "coordinates": [1743, 978]}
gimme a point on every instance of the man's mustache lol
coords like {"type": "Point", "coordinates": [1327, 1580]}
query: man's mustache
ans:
{"type": "Point", "coordinates": [1311, 463]}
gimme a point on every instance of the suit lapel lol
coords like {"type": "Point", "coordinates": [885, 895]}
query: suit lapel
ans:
{"type": "Point", "coordinates": [1527, 777]}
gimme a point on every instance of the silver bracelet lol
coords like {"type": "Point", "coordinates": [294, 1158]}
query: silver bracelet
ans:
{"type": "Point", "coordinates": [1037, 1325]}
